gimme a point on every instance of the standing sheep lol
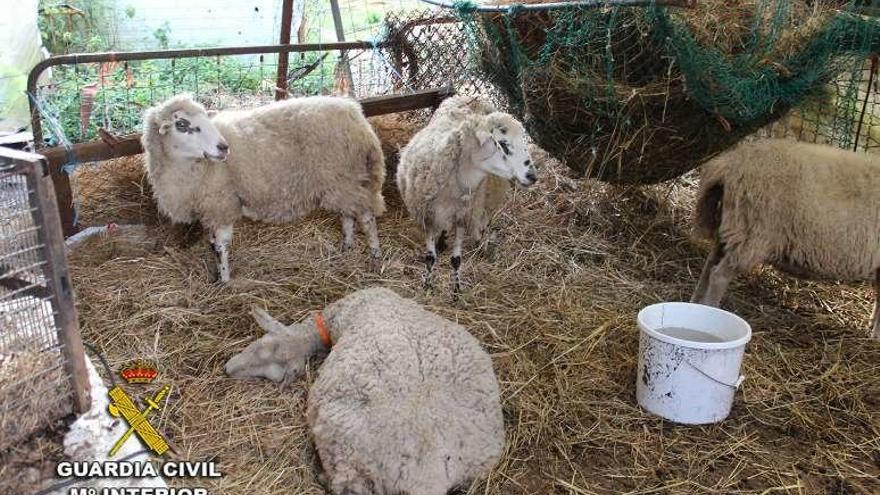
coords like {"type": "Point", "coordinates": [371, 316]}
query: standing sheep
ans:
{"type": "Point", "coordinates": [492, 193]}
{"type": "Point", "coordinates": [809, 210]}
{"type": "Point", "coordinates": [274, 163]}
{"type": "Point", "coordinates": [443, 171]}
{"type": "Point", "coordinates": [406, 403]}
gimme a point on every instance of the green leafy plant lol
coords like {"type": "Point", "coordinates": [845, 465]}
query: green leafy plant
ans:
{"type": "Point", "coordinates": [77, 26]}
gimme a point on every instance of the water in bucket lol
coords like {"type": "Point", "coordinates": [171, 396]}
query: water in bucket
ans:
{"type": "Point", "coordinates": [689, 334]}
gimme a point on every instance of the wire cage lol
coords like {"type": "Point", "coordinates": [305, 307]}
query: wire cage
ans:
{"type": "Point", "coordinates": [42, 365]}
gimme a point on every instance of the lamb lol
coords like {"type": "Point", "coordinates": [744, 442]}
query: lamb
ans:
{"type": "Point", "coordinates": [807, 209]}
{"type": "Point", "coordinates": [442, 175]}
{"type": "Point", "coordinates": [274, 163]}
{"type": "Point", "coordinates": [405, 403]}
{"type": "Point", "coordinates": [492, 193]}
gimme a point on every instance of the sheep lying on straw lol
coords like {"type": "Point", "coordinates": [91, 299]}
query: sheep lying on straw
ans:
{"type": "Point", "coordinates": [808, 209]}
{"type": "Point", "coordinates": [406, 402]}
{"type": "Point", "coordinates": [282, 161]}
{"type": "Point", "coordinates": [442, 175]}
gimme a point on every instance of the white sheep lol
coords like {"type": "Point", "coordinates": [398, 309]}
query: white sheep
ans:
{"type": "Point", "coordinates": [807, 209]}
{"type": "Point", "coordinates": [443, 170]}
{"type": "Point", "coordinates": [274, 163]}
{"type": "Point", "coordinates": [492, 192]}
{"type": "Point", "coordinates": [405, 403]}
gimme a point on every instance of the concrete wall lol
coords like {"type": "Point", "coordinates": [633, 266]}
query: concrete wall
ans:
{"type": "Point", "coordinates": [198, 22]}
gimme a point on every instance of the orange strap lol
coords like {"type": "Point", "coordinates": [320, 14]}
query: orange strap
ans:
{"type": "Point", "coordinates": [321, 327]}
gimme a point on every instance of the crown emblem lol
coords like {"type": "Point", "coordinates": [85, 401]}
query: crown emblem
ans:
{"type": "Point", "coordinates": [139, 372]}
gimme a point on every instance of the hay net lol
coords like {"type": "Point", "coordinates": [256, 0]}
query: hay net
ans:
{"type": "Point", "coordinates": [643, 94]}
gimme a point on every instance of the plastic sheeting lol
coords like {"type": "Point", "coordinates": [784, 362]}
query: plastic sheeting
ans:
{"type": "Point", "coordinates": [20, 49]}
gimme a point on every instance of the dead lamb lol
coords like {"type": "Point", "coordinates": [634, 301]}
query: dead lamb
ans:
{"type": "Point", "coordinates": [274, 163]}
{"type": "Point", "coordinates": [809, 210]}
{"type": "Point", "coordinates": [443, 172]}
{"type": "Point", "coordinates": [406, 402]}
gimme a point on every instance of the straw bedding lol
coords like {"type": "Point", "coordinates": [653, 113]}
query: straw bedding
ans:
{"type": "Point", "coordinates": [553, 300]}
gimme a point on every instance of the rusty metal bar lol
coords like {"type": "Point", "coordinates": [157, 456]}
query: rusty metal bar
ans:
{"type": "Point", "coordinates": [281, 78]}
{"type": "Point", "coordinates": [340, 36]}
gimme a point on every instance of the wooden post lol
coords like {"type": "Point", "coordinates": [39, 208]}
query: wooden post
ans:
{"type": "Point", "coordinates": [281, 78]}
{"type": "Point", "coordinates": [66, 212]}
{"type": "Point", "coordinates": [340, 36]}
{"type": "Point", "coordinates": [50, 234]}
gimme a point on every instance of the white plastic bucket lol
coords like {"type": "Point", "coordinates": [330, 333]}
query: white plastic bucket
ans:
{"type": "Point", "coordinates": [686, 376]}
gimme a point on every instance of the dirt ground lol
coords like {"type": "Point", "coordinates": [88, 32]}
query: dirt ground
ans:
{"type": "Point", "coordinates": [553, 299]}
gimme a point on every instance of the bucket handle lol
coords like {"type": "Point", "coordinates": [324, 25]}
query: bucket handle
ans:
{"type": "Point", "coordinates": [707, 375]}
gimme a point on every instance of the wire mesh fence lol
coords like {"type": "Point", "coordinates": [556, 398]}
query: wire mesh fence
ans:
{"type": "Point", "coordinates": [37, 356]}
{"type": "Point", "coordinates": [83, 97]}
{"type": "Point", "coordinates": [413, 50]}
{"type": "Point", "coordinates": [840, 114]}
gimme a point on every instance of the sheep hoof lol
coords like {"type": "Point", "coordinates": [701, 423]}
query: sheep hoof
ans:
{"type": "Point", "coordinates": [376, 260]}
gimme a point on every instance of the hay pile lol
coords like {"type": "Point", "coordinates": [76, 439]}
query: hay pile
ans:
{"type": "Point", "coordinates": [26, 465]}
{"type": "Point", "coordinates": [642, 95]}
{"type": "Point", "coordinates": [34, 392]}
{"type": "Point", "coordinates": [554, 302]}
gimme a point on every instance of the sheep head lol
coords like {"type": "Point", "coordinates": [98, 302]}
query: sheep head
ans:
{"type": "Point", "coordinates": [503, 149]}
{"type": "Point", "coordinates": [280, 355]}
{"type": "Point", "coordinates": [184, 131]}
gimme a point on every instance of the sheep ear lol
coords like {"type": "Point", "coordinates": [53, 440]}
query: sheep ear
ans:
{"type": "Point", "coordinates": [266, 322]}
{"type": "Point", "coordinates": [163, 127]}
{"type": "Point", "coordinates": [483, 136]}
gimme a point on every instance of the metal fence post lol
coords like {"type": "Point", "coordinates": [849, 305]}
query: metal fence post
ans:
{"type": "Point", "coordinates": [281, 78]}
{"type": "Point", "coordinates": [51, 236]}
{"type": "Point", "coordinates": [340, 36]}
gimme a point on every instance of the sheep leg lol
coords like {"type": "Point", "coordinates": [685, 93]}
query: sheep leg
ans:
{"type": "Point", "coordinates": [347, 232]}
{"type": "Point", "coordinates": [711, 261]}
{"type": "Point", "coordinates": [368, 225]}
{"type": "Point", "coordinates": [456, 259]}
{"type": "Point", "coordinates": [221, 238]}
{"type": "Point", "coordinates": [876, 318]}
{"type": "Point", "coordinates": [719, 278]}
{"type": "Point", "coordinates": [430, 255]}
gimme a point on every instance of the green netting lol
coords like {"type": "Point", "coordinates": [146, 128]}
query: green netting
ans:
{"type": "Point", "coordinates": [643, 94]}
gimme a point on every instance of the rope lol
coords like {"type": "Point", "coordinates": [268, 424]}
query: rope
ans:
{"type": "Point", "coordinates": [55, 127]}
{"type": "Point", "coordinates": [101, 358]}
{"type": "Point", "coordinates": [58, 132]}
